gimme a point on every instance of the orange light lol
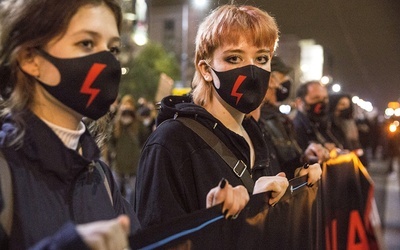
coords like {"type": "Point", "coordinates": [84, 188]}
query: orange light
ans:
{"type": "Point", "coordinates": [393, 105]}
{"type": "Point", "coordinates": [392, 127]}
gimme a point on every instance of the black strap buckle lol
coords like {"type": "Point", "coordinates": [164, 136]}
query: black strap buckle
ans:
{"type": "Point", "coordinates": [239, 168]}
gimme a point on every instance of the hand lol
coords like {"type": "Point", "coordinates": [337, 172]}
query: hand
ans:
{"type": "Point", "coordinates": [315, 152]}
{"type": "Point", "coordinates": [106, 235]}
{"type": "Point", "coordinates": [313, 171]}
{"type": "Point", "coordinates": [277, 184]}
{"type": "Point", "coordinates": [234, 198]}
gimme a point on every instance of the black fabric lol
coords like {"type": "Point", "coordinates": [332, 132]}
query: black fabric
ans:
{"type": "Point", "coordinates": [348, 205]}
{"type": "Point", "coordinates": [238, 167]}
{"type": "Point", "coordinates": [336, 213]}
{"type": "Point", "coordinates": [307, 131]}
{"type": "Point", "coordinates": [290, 224]}
{"type": "Point", "coordinates": [54, 185]}
{"type": "Point", "coordinates": [278, 133]}
{"type": "Point", "coordinates": [177, 168]}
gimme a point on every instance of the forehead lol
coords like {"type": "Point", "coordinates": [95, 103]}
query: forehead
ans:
{"type": "Point", "coordinates": [344, 101]}
{"type": "Point", "coordinates": [317, 91]}
{"type": "Point", "coordinates": [98, 18]}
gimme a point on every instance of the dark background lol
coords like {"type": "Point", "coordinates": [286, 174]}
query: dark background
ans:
{"type": "Point", "coordinates": [361, 39]}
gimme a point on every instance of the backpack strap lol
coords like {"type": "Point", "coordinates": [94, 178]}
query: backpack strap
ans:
{"type": "Point", "coordinates": [105, 180]}
{"type": "Point", "coordinates": [237, 166]}
{"type": "Point", "coordinates": [6, 215]}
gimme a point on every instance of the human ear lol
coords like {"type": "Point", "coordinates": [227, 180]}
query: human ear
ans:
{"type": "Point", "coordinates": [28, 62]}
{"type": "Point", "coordinates": [205, 70]}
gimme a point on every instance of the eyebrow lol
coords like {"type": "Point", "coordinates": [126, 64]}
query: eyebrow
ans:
{"type": "Point", "coordinates": [96, 34]}
{"type": "Point", "coordinates": [241, 51]}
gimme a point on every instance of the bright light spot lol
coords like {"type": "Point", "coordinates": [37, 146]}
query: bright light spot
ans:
{"type": "Point", "coordinates": [285, 109]}
{"type": "Point", "coordinates": [200, 4]}
{"type": "Point", "coordinates": [325, 80]}
{"type": "Point", "coordinates": [389, 112]}
{"type": "Point", "coordinates": [355, 99]}
{"type": "Point", "coordinates": [336, 87]}
{"type": "Point", "coordinates": [124, 70]}
{"type": "Point", "coordinates": [392, 127]}
{"type": "Point", "coordinates": [396, 123]}
{"type": "Point", "coordinates": [129, 16]}
{"type": "Point", "coordinates": [397, 112]}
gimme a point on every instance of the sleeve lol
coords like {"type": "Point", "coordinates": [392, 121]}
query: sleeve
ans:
{"type": "Point", "coordinates": [66, 238]}
{"type": "Point", "coordinates": [121, 205]}
{"type": "Point", "coordinates": [159, 189]}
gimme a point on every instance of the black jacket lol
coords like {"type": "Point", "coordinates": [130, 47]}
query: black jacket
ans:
{"type": "Point", "coordinates": [177, 168]}
{"type": "Point", "coordinates": [279, 135]}
{"type": "Point", "coordinates": [54, 186]}
{"type": "Point", "coordinates": [307, 131]}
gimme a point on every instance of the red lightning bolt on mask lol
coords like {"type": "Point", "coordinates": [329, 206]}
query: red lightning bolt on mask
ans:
{"type": "Point", "coordinates": [95, 70]}
{"type": "Point", "coordinates": [236, 86]}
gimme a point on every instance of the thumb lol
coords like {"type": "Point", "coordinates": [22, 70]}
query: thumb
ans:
{"type": "Point", "coordinates": [125, 223]}
{"type": "Point", "coordinates": [281, 174]}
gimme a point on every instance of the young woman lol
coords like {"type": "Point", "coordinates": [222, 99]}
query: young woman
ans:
{"type": "Point", "coordinates": [234, 46]}
{"type": "Point", "coordinates": [58, 64]}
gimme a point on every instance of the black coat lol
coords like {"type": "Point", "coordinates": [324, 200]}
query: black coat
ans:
{"type": "Point", "coordinates": [177, 168]}
{"type": "Point", "coordinates": [54, 186]}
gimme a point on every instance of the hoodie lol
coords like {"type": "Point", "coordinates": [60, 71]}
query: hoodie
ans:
{"type": "Point", "coordinates": [178, 168]}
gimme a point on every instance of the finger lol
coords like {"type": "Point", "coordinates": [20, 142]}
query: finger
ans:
{"type": "Point", "coordinates": [124, 221]}
{"type": "Point", "coordinates": [281, 174]}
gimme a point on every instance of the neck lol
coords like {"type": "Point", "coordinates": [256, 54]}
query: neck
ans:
{"type": "Point", "coordinates": [230, 117]}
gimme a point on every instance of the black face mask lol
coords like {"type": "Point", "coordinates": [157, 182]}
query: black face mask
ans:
{"type": "Point", "coordinates": [346, 113]}
{"type": "Point", "coordinates": [242, 88]}
{"type": "Point", "coordinates": [317, 112]}
{"type": "Point", "coordinates": [282, 93]}
{"type": "Point", "coordinates": [88, 84]}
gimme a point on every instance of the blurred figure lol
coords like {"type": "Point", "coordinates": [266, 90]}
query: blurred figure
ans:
{"type": "Point", "coordinates": [311, 122]}
{"type": "Point", "coordinates": [147, 119]}
{"type": "Point", "coordinates": [343, 125]}
{"type": "Point", "coordinates": [125, 146]}
{"type": "Point", "coordinates": [284, 151]}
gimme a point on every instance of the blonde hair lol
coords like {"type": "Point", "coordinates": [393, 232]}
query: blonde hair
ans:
{"type": "Point", "coordinates": [223, 27]}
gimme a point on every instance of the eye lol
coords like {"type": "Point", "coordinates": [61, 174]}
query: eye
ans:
{"type": "Point", "coordinates": [116, 50]}
{"type": "Point", "coordinates": [262, 59]}
{"type": "Point", "coordinates": [88, 44]}
{"type": "Point", "coordinates": [233, 59]}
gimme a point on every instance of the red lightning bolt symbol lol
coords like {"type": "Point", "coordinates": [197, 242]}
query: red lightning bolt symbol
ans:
{"type": "Point", "coordinates": [94, 71]}
{"type": "Point", "coordinates": [236, 86]}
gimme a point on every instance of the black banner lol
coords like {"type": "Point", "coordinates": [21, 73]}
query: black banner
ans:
{"type": "Point", "coordinates": [336, 213]}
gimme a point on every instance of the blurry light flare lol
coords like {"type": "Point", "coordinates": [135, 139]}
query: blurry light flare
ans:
{"type": "Point", "coordinates": [392, 127]}
{"type": "Point", "coordinates": [140, 39]}
{"type": "Point", "coordinates": [389, 112]}
{"type": "Point", "coordinates": [397, 112]}
{"type": "Point", "coordinates": [355, 99]}
{"type": "Point", "coordinates": [129, 16]}
{"type": "Point", "coordinates": [396, 123]}
{"type": "Point", "coordinates": [124, 70]}
{"type": "Point", "coordinates": [285, 109]}
{"type": "Point", "coordinates": [336, 87]}
{"type": "Point", "coordinates": [200, 4]}
{"type": "Point", "coordinates": [325, 80]}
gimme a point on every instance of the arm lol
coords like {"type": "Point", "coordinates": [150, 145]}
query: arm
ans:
{"type": "Point", "coordinates": [101, 235]}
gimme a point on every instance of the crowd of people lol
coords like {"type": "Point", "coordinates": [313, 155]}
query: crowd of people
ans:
{"type": "Point", "coordinates": [61, 189]}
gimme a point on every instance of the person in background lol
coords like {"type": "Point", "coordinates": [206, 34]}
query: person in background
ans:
{"type": "Point", "coordinates": [125, 147]}
{"type": "Point", "coordinates": [58, 67]}
{"type": "Point", "coordinates": [311, 123]}
{"type": "Point", "coordinates": [285, 153]}
{"type": "Point", "coordinates": [343, 125]}
{"type": "Point", "coordinates": [234, 47]}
